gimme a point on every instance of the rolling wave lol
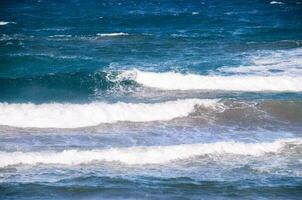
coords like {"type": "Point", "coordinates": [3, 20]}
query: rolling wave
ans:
{"type": "Point", "coordinates": [251, 83]}
{"type": "Point", "coordinates": [88, 83]}
{"type": "Point", "coordinates": [146, 155]}
{"type": "Point", "coordinates": [60, 86]}
{"type": "Point", "coordinates": [265, 71]}
{"type": "Point", "coordinates": [56, 115]}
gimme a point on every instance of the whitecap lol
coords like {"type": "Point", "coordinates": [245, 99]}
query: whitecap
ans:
{"type": "Point", "coordinates": [146, 154]}
{"type": "Point", "coordinates": [276, 2]}
{"type": "Point", "coordinates": [56, 115]}
{"type": "Point", "coordinates": [179, 81]}
{"type": "Point", "coordinates": [111, 34]}
{"type": "Point", "coordinates": [2, 23]}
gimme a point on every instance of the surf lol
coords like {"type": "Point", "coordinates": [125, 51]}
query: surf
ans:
{"type": "Point", "coordinates": [249, 83]}
{"type": "Point", "coordinates": [67, 115]}
{"type": "Point", "coordinates": [142, 155]}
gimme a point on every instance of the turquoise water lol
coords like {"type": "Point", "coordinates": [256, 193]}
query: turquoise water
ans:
{"type": "Point", "coordinates": [150, 99]}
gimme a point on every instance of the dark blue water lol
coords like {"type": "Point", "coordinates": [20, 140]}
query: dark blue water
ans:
{"type": "Point", "coordinates": [151, 99]}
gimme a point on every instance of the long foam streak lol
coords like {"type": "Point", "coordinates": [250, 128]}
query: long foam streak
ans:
{"type": "Point", "coordinates": [57, 115]}
{"type": "Point", "coordinates": [111, 34]}
{"type": "Point", "coordinates": [145, 155]}
{"type": "Point", "coordinates": [177, 81]}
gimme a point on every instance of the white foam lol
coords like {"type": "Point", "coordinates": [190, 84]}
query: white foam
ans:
{"type": "Point", "coordinates": [279, 70]}
{"type": "Point", "coordinates": [276, 2]}
{"type": "Point", "coordinates": [145, 155]}
{"type": "Point", "coordinates": [178, 81]}
{"type": "Point", "coordinates": [5, 23]}
{"type": "Point", "coordinates": [272, 63]}
{"type": "Point", "coordinates": [81, 115]}
{"type": "Point", "coordinates": [111, 34]}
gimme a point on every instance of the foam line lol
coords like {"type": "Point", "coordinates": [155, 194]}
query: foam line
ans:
{"type": "Point", "coordinates": [111, 34]}
{"type": "Point", "coordinates": [178, 81]}
{"type": "Point", "coordinates": [56, 115]}
{"type": "Point", "coordinates": [146, 155]}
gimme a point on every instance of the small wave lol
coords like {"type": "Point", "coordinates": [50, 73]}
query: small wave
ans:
{"type": "Point", "coordinates": [57, 115]}
{"type": "Point", "coordinates": [111, 34]}
{"type": "Point", "coordinates": [5, 23]}
{"type": "Point", "coordinates": [146, 155]}
{"type": "Point", "coordinates": [178, 81]}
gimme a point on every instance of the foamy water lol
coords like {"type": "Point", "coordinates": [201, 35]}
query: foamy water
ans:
{"type": "Point", "coordinates": [111, 34]}
{"type": "Point", "coordinates": [145, 155]}
{"type": "Point", "coordinates": [81, 115]}
{"type": "Point", "coordinates": [178, 81]}
{"type": "Point", "coordinates": [270, 63]}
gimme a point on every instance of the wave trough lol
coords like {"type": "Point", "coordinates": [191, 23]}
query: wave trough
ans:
{"type": "Point", "coordinates": [56, 115]}
{"type": "Point", "coordinates": [146, 155]}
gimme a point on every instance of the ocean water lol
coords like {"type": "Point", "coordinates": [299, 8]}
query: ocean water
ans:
{"type": "Point", "coordinates": [168, 99]}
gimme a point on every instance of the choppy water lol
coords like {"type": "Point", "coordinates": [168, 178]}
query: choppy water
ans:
{"type": "Point", "coordinates": [151, 99]}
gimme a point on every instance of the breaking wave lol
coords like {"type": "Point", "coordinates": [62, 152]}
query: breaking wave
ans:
{"type": "Point", "coordinates": [56, 115]}
{"type": "Point", "coordinates": [146, 155]}
{"type": "Point", "coordinates": [178, 81]}
{"type": "Point", "coordinates": [279, 71]}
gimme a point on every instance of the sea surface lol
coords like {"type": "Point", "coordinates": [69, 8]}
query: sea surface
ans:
{"type": "Point", "coordinates": [170, 99]}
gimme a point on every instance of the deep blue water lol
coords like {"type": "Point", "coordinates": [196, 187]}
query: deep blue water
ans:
{"type": "Point", "coordinates": [151, 99]}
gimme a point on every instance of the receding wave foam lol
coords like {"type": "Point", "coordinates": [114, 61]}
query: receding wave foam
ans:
{"type": "Point", "coordinates": [145, 155]}
{"type": "Point", "coordinates": [178, 81]}
{"type": "Point", "coordinates": [57, 115]}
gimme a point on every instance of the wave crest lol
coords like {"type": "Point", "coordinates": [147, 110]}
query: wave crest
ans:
{"type": "Point", "coordinates": [56, 115]}
{"type": "Point", "coordinates": [178, 81]}
{"type": "Point", "coordinates": [146, 155]}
